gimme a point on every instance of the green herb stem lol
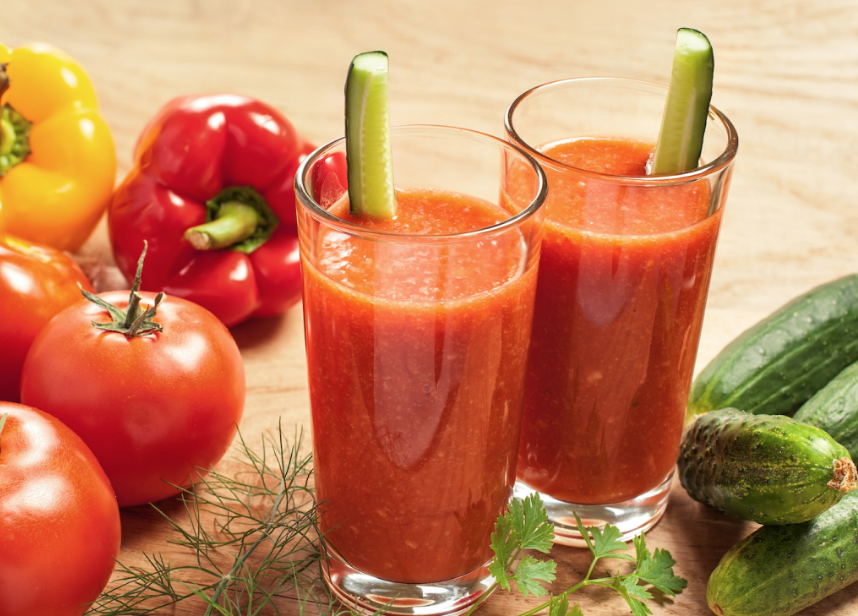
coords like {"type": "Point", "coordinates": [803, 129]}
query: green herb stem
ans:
{"type": "Point", "coordinates": [266, 534]}
{"type": "Point", "coordinates": [565, 593]}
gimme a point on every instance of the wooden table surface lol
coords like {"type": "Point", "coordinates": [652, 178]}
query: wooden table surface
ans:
{"type": "Point", "coordinates": [786, 74]}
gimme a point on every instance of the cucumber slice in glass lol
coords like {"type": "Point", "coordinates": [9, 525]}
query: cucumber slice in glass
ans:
{"type": "Point", "coordinates": [368, 151]}
{"type": "Point", "coordinates": [680, 139]}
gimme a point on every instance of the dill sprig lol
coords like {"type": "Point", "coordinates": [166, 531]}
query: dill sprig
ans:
{"type": "Point", "coordinates": [261, 549]}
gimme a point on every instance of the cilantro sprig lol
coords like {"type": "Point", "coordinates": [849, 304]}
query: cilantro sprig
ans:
{"type": "Point", "coordinates": [525, 526]}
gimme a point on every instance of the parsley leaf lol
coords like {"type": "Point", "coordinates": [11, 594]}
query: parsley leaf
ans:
{"type": "Point", "coordinates": [582, 530]}
{"type": "Point", "coordinates": [504, 544]}
{"type": "Point", "coordinates": [530, 523]}
{"type": "Point", "coordinates": [637, 606]}
{"type": "Point", "coordinates": [529, 571]}
{"type": "Point", "coordinates": [635, 590]}
{"type": "Point", "coordinates": [559, 606]}
{"type": "Point", "coordinates": [524, 526]}
{"type": "Point", "coordinates": [657, 570]}
{"type": "Point", "coordinates": [605, 541]}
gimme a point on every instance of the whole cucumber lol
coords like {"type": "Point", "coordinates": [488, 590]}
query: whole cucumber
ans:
{"type": "Point", "coordinates": [834, 408]}
{"type": "Point", "coordinates": [780, 362]}
{"type": "Point", "coordinates": [767, 468]}
{"type": "Point", "coordinates": [779, 570]}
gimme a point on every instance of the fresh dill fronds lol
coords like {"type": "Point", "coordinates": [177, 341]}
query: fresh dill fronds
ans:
{"type": "Point", "coordinates": [525, 527]}
{"type": "Point", "coordinates": [252, 537]}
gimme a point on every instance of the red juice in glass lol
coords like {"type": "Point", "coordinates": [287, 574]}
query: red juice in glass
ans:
{"type": "Point", "coordinates": [414, 365]}
{"type": "Point", "coordinates": [624, 274]}
{"type": "Point", "coordinates": [417, 331]}
{"type": "Point", "coordinates": [620, 308]}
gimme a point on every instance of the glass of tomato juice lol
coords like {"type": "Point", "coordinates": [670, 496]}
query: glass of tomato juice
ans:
{"type": "Point", "coordinates": [624, 273]}
{"type": "Point", "coordinates": [417, 330]}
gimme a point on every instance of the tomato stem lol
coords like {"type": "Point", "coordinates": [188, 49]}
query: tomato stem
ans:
{"type": "Point", "coordinates": [142, 318]}
{"type": "Point", "coordinates": [134, 321]}
{"type": "Point", "coordinates": [131, 310]}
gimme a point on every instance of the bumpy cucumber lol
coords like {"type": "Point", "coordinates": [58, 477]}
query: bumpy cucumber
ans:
{"type": "Point", "coordinates": [767, 468]}
{"type": "Point", "coordinates": [834, 408]}
{"type": "Point", "coordinates": [783, 569]}
{"type": "Point", "coordinates": [776, 365]}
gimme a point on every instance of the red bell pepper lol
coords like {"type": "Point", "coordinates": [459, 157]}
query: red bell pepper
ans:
{"type": "Point", "coordinates": [212, 193]}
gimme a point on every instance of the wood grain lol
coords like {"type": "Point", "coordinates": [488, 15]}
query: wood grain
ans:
{"type": "Point", "coordinates": [786, 74]}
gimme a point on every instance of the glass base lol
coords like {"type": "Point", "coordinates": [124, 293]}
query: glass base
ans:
{"type": "Point", "coordinates": [632, 517]}
{"type": "Point", "coordinates": [367, 595]}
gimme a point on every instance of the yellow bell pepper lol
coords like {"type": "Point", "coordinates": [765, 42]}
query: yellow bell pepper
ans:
{"type": "Point", "coordinates": [57, 158]}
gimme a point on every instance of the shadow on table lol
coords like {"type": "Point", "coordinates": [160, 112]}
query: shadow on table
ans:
{"type": "Point", "coordinates": [140, 524]}
{"type": "Point", "coordinates": [697, 536]}
{"type": "Point", "coordinates": [255, 333]}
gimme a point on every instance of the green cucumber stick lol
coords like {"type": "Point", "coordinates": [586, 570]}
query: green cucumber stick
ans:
{"type": "Point", "coordinates": [680, 139]}
{"type": "Point", "coordinates": [368, 151]}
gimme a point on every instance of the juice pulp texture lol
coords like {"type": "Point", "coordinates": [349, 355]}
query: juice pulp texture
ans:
{"type": "Point", "coordinates": [416, 355]}
{"type": "Point", "coordinates": [623, 279]}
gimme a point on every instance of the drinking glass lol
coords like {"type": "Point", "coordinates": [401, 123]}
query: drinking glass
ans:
{"type": "Point", "coordinates": [624, 273]}
{"type": "Point", "coordinates": [417, 332]}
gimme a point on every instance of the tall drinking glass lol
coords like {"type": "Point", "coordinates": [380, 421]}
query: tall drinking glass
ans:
{"type": "Point", "coordinates": [417, 331]}
{"type": "Point", "coordinates": [624, 274]}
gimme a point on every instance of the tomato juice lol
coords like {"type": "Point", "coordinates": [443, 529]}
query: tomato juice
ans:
{"type": "Point", "coordinates": [623, 279]}
{"type": "Point", "coordinates": [416, 350]}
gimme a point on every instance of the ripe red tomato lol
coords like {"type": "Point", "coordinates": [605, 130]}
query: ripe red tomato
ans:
{"type": "Point", "coordinates": [59, 521]}
{"type": "Point", "coordinates": [153, 408]}
{"type": "Point", "coordinates": [36, 282]}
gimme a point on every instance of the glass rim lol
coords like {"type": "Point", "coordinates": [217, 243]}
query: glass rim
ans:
{"type": "Point", "coordinates": [722, 161]}
{"type": "Point", "coordinates": [323, 215]}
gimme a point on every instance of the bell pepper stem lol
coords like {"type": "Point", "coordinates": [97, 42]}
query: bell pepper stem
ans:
{"type": "Point", "coordinates": [7, 136]}
{"type": "Point", "coordinates": [14, 130]}
{"type": "Point", "coordinates": [7, 131]}
{"type": "Point", "coordinates": [233, 222]}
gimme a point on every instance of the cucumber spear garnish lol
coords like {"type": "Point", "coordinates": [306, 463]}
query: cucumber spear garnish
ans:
{"type": "Point", "coordinates": [680, 139]}
{"type": "Point", "coordinates": [368, 151]}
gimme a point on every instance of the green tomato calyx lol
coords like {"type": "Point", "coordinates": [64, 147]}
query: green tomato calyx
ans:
{"type": "Point", "coordinates": [136, 320]}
